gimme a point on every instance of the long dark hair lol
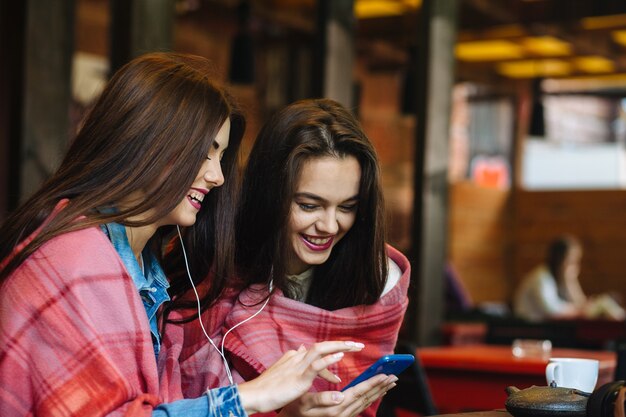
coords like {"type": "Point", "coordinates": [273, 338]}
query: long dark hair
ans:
{"type": "Point", "coordinates": [150, 130]}
{"type": "Point", "coordinates": [356, 270]}
{"type": "Point", "coordinates": [557, 251]}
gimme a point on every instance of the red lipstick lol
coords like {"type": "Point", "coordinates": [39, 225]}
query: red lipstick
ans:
{"type": "Point", "coordinates": [314, 247]}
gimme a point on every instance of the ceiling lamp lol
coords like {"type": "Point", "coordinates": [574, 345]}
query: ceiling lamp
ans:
{"type": "Point", "coordinates": [546, 46]}
{"type": "Point", "coordinates": [376, 8]}
{"type": "Point", "coordinates": [619, 36]}
{"type": "Point", "coordinates": [594, 64]}
{"type": "Point", "coordinates": [488, 50]}
{"type": "Point", "coordinates": [368, 9]}
{"type": "Point", "coordinates": [603, 22]}
{"type": "Point", "coordinates": [535, 68]}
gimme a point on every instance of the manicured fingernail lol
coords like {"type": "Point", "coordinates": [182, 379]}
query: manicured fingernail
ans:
{"type": "Point", "coordinates": [337, 378]}
{"type": "Point", "coordinates": [355, 344]}
{"type": "Point", "coordinates": [392, 378]}
{"type": "Point", "coordinates": [338, 355]}
{"type": "Point", "coordinates": [337, 397]}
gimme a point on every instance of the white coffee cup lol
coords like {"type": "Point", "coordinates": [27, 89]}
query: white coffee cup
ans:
{"type": "Point", "coordinates": [581, 374]}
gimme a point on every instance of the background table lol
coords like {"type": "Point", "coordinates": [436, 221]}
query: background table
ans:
{"type": "Point", "coordinates": [488, 413]}
{"type": "Point", "coordinates": [473, 377]}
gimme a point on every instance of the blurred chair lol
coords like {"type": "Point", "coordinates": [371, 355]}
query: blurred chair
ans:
{"type": "Point", "coordinates": [457, 297]}
{"type": "Point", "coordinates": [412, 395]}
{"type": "Point", "coordinates": [620, 369]}
{"type": "Point", "coordinates": [503, 331]}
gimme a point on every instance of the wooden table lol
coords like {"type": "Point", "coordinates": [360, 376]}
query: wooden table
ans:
{"type": "Point", "coordinates": [489, 413]}
{"type": "Point", "coordinates": [473, 377]}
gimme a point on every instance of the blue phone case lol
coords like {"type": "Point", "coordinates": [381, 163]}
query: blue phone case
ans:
{"type": "Point", "coordinates": [389, 364]}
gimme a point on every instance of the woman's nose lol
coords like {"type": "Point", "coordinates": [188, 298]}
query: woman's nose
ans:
{"type": "Point", "coordinates": [328, 223]}
{"type": "Point", "coordinates": [213, 173]}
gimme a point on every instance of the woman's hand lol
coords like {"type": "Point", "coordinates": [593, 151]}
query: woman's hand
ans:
{"type": "Point", "coordinates": [349, 403]}
{"type": "Point", "coordinates": [292, 375]}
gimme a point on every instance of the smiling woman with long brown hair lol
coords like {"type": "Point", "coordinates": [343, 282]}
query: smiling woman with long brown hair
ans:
{"type": "Point", "coordinates": [82, 289]}
{"type": "Point", "coordinates": [311, 226]}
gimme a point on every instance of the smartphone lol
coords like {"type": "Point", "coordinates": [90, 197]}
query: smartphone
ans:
{"type": "Point", "coordinates": [389, 364]}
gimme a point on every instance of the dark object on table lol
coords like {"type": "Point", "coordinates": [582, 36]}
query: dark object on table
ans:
{"type": "Point", "coordinates": [620, 350]}
{"type": "Point", "coordinates": [603, 400]}
{"type": "Point", "coordinates": [546, 402]}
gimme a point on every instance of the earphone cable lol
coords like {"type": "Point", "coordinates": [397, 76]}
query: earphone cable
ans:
{"type": "Point", "coordinates": [221, 353]}
{"type": "Point", "coordinates": [249, 318]}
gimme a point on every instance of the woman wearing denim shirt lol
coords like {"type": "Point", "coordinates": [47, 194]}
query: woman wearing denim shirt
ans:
{"type": "Point", "coordinates": [81, 311]}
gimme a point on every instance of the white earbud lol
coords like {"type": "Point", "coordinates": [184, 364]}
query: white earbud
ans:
{"type": "Point", "coordinates": [220, 351]}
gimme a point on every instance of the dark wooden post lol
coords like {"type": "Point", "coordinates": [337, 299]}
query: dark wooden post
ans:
{"type": "Point", "coordinates": [435, 78]}
{"type": "Point", "coordinates": [12, 35]}
{"type": "Point", "coordinates": [47, 93]}
{"type": "Point", "coordinates": [139, 26]}
{"type": "Point", "coordinates": [334, 56]}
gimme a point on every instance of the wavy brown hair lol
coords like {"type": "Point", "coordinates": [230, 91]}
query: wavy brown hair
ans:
{"type": "Point", "coordinates": [150, 130]}
{"type": "Point", "coordinates": [356, 270]}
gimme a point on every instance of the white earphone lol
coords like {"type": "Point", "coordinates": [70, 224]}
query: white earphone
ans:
{"type": "Point", "coordinates": [220, 351]}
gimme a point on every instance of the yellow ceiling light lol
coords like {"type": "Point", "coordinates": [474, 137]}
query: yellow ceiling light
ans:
{"type": "Point", "coordinates": [414, 4]}
{"type": "Point", "coordinates": [619, 36]}
{"type": "Point", "coordinates": [367, 9]}
{"type": "Point", "coordinates": [547, 46]}
{"type": "Point", "coordinates": [488, 50]}
{"type": "Point", "coordinates": [603, 22]}
{"type": "Point", "coordinates": [535, 68]}
{"type": "Point", "coordinates": [594, 64]}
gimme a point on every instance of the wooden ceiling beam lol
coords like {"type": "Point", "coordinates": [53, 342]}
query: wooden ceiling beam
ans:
{"type": "Point", "coordinates": [287, 15]}
{"type": "Point", "coordinates": [498, 11]}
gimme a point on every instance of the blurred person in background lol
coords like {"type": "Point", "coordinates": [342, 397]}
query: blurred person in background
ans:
{"type": "Point", "coordinates": [552, 290]}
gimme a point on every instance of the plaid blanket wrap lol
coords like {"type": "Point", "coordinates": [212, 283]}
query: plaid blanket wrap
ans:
{"type": "Point", "coordinates": [285, 324]}
{"type": "Point", "coordinates": [75, 338]}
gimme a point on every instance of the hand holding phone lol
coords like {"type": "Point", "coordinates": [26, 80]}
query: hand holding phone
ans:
{"type": "Point", "coordinates": [389, 364]}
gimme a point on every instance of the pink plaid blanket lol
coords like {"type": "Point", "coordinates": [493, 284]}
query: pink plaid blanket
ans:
{"type": "Point", "coordinates": [286, 324]}
{"type": "Point", "coordinates": [74, 336]}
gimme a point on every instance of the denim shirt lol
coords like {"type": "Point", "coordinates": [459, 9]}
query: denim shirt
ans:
{"type": "Point", "coordinates": [152, 287]}
{"type": "Point", "coordinates": [150, 282]}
